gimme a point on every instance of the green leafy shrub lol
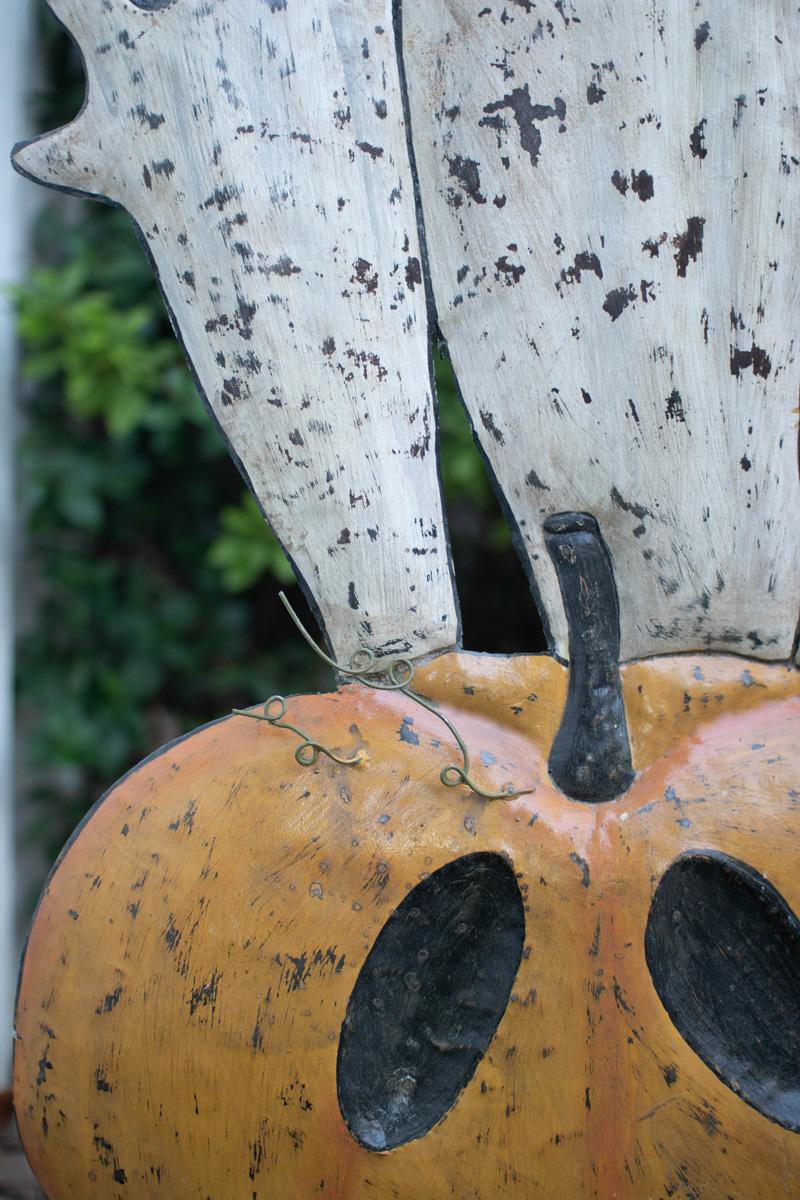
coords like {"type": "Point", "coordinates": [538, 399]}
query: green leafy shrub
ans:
{"type": "Point", "coordinates": [244, 550]}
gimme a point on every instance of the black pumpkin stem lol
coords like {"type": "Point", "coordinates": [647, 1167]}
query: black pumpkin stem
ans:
{"type": "Point", "coordinates": [590, 758]}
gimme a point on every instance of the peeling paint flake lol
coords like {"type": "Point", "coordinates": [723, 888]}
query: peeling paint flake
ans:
{"type": "Point", "coordinates": [527, 116]}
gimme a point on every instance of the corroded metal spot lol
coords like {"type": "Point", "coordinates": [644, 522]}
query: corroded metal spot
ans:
{"type": "Point", "coordinates": [428, 1000]}
{"type": "Point", "coordinates": [723, 948]}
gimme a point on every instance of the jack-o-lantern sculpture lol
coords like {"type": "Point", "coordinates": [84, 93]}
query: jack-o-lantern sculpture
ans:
{"type": "Point", "coordinates": [466, 926]}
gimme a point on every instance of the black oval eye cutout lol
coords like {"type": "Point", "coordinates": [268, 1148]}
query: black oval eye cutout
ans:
{"type": "Point", "coordinates": [723, 949]}
{"type": "Point", "coordinates": [152, 5]}
{"type": "Point", "coordinates": [428, 1000]}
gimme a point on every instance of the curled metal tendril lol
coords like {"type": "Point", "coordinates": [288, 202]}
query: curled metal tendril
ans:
{"type": "Point", "coordinates": [396, 676]}
{"type": "Point", "coordinates": [308, 751]}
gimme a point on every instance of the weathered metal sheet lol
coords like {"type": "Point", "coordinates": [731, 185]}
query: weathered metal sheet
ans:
{"type": "Point", "coordinates": [610, 196]}
{"type": "Point", "coordinates": [261, 150]}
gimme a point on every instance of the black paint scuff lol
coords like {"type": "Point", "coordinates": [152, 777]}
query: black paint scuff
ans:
{"type": "Point", "coordinates": [755, 358]}
{"type": "Point", "coordinates": [526, 115]}
{"type": "Point", "coordinates": [689, 244]}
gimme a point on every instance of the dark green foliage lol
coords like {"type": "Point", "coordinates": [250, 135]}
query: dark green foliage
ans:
{"type": "Point", "coordinates": [156, 606]}
{"type": "Point", "coordinates": [154, 578]}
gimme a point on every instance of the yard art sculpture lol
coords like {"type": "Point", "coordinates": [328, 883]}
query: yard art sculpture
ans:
{"type": "Point", "coordinates": [492, 926]}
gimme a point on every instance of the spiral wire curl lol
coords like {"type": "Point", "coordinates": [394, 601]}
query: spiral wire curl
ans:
{"type": "Point", "coordinates": [396, 676]}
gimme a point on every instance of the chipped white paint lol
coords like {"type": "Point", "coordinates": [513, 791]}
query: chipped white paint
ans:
{"type": "Point", "coordinates": [260, 147]}
{"type": "Point", "coordinates": [610, 194]}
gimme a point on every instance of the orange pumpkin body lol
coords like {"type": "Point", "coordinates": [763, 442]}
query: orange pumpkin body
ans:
{"type": "Point", "coordinates": [192, 960]}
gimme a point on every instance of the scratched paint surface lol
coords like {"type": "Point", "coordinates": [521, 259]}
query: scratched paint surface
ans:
{"type": "Point", "coordinates": [193, 956]}
{"type": "Point", "coordinates": [610, 194]}
{"type": "Point", "coordinates": [610, 204]}
{"type": "Point", "coordinates": [260, 147]}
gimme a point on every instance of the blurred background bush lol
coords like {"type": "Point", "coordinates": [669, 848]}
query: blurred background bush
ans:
{"type": "Point", "coordinates": [154, 579]}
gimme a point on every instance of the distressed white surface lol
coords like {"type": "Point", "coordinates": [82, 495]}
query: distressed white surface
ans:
{"type": "Point", "coordinates": [610, 364]}
{"type": "Point", "coordinates": [260, 147]}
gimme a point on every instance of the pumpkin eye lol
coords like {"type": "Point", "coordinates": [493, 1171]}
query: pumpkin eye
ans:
{"type": "Point", "coordinates": [428, 1000]}
{"type": "Point", "coordinates": [151, 5]}
{"type": "Point", "coordinates": [723, 949]}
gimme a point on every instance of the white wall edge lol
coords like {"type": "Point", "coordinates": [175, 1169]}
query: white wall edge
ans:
{"type": "Point", "coordinates": [16, 213]}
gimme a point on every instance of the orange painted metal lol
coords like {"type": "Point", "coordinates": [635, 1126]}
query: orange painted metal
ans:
{"type": "Point", "coordinates": [191, 961]}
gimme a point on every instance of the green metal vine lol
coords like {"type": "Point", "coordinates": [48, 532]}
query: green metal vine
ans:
{"type": "Point", "coordinates": [395, 676]}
